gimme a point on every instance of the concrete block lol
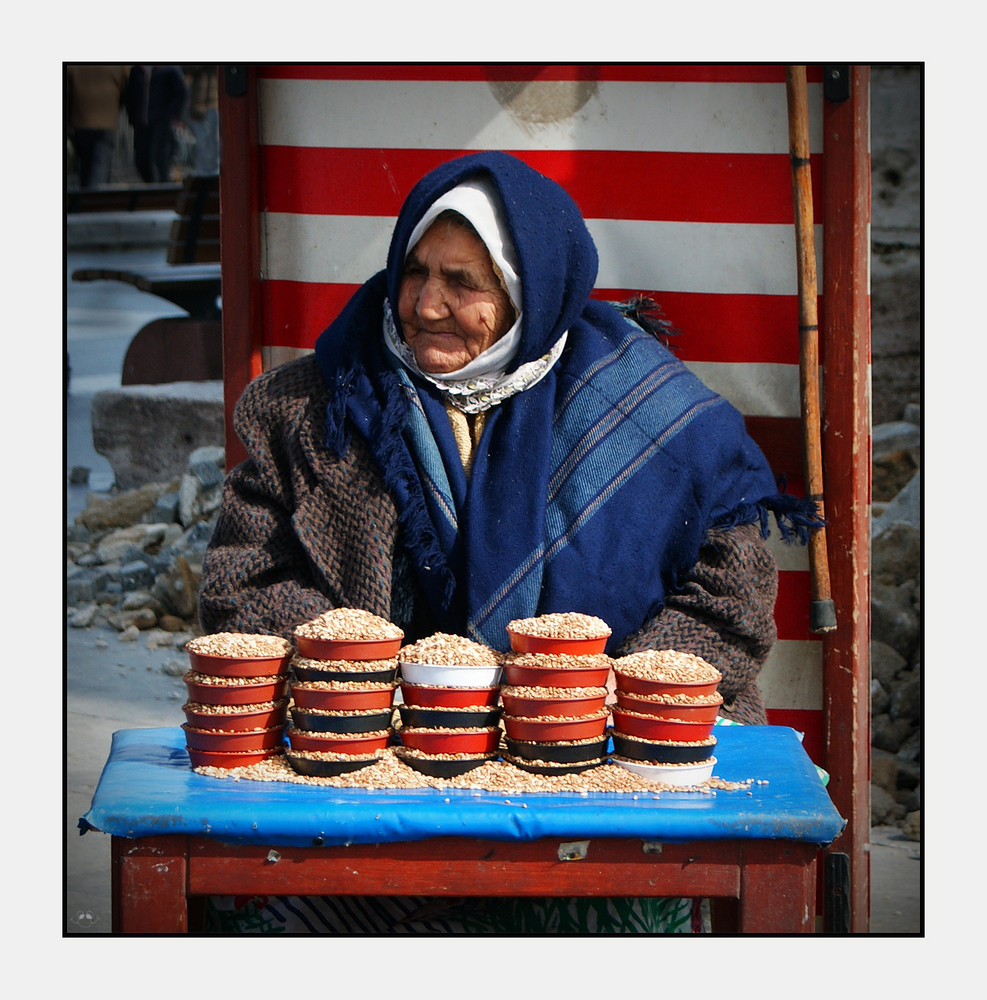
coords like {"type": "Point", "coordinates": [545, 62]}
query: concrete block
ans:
{"type": "Point", "coordinates": [148, 432]}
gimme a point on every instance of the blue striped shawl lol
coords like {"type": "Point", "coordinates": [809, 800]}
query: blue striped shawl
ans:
{"type": "Point", "coordinates": [592, 491]}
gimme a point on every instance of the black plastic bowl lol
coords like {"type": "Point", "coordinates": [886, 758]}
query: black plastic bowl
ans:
{"type": "Point", "coordinates": [652, 752]}
{"type": "Point", "coordinates": [415, 717]}
{"type": "Point", "coordinates": [444, 768]}
{"type": "Point", "coordinates": [533, 767]}
{"type": "Point", "coordinates": [319, 674]}
{"type": "Point", "coordinates": [325, 722]}
{"type": "Point", "coordinates": [327, 768]}
{"type": "Point", "coordinates": [558, 753]}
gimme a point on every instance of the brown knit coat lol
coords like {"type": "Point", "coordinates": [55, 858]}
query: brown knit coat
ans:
{"type": "Point", "coordinates": [302, 530]}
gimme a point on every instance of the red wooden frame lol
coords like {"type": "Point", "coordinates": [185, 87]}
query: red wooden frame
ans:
{"type": "Point", "coordinates": [845, 352]}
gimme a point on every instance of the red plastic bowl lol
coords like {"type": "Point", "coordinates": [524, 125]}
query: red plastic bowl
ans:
{"type": "Point", "coordinates": [224, 758]}
{"type": "Point", "coordinates": [236, 694]}
{"type": "Point", "coordinates": [530, 730]}
{"type": "Point", "coordinates": [632, 684]}
{"type": "Point", "coordinates": [668, 710]}
{"type": "Point", "coordinates": [348, 700]}
{"type": "Point", "coordinates": [531, 675]}
{"type": "Point", "coordinates": [237, 666]}
{"type": "Point", "coordinates": [358, 744]}
{"type": "Point", "coordinates": [576, 704]}
{"type": "Point", "coordinates": [436, 741]}
{"type": "Point", "coordinates": [522, 643]}
{"type": "Point", "coordinates": [649, 728]}
{"type": "Point", "coordinates": [261, 718]}
{"type": "Point", "coordinates": [213, 741]}
{"type": "Point", "coordinates": [348, 649]}
{"type": "Point", "coordinates": [428, 696]}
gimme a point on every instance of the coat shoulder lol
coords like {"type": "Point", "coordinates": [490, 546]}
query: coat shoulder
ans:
{"type": "Point", "coordinates": [286, 388]}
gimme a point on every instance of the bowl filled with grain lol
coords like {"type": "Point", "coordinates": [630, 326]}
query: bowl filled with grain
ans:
{"type": "Point", "coordinates": [665, 672]}
{"type": "Point", "coordinates": [559, 752]}
{"type": "Point", "coordinates": [447, 675]}
{"type": "Point", "coordinates": [556, 670]}
{"type": "Point", "coordinates": [218, 740]}
{"type": "Point", "coordinates": [304, 668]}
{"type": "Point", "coordinates": [239, 654]}
{"type": "Point", "coordinates": [542, 729]}
{"type": "Point", "coordinates": [482, 740]}
{"type": "Point", "coordinates": [471, 717]}
{"type": "Point", "coordinates": [316, 720]}
{"type": "Point", "coordinates": [532, 701]}
{"type": "Point", "coordinates": [678, 775]}
{"type": "Point", "coordinates": [320, 764]}
{"type": "Point", "coordinates": [566, 632]}
{"type": "Point", "coordinates": [688, 707]}
{"type": "Point", "coordinates": [352, 744]}
{"type": "Point", "coordinates": [348, 634]}
{"type": "Point", "coordinates": [663, 752]}
{"type": "Point", "coordinates": [445, 660]}
{"type": "Point", "coordinates": [229, 759]}
{"type": "Point", "coordinates": [236, 718]}
{"type": "Point", "coordinates": [439, 696]}
{"type": "Point", "coordinates": [342, 696]}
{"type": "Point", "coordinates": [441, 765]}
{"type": "Point", "coordinates": [650, 728]}
{"type": "Point", "coordinates": [209, 690]}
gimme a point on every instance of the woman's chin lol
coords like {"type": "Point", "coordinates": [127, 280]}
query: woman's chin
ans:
{"type": "Point", "coordinates": [435, 362]}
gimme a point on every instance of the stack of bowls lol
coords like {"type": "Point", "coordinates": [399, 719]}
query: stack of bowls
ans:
{"type": "Point", "coordinates": [449, 712]}
{"type": "Point", "coordinates": [342, 692]}
{"type": "Point", "coordinates": [555, 693]}
{"type": "Point", "coordinates": [237, 698]}
{"type": "Point", "coordinates": [663, 719]}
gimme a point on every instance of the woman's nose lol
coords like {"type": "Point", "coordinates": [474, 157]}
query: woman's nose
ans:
{"type": "Point", "coordinates": [431, 300]}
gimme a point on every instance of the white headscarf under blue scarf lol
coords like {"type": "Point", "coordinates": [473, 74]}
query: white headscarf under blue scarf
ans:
{"type": "Point", "coordinates": [482, 382]}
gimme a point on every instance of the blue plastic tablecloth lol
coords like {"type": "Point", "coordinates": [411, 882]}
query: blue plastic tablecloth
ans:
{"type": "Point", "coordinates": [148, 788]}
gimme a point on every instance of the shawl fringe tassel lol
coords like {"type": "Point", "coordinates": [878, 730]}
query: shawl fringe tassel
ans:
{"type": "Point", "coordinates": [397, 470]}
{"type": "Point", "coordinates": [795, 517]}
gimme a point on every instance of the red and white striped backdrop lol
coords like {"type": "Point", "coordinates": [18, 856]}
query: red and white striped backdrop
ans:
{"type": "Point", "coordinates": [683, 176]}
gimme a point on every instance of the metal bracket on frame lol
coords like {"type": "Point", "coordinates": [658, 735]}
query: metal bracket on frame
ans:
{"type": "Point", "coordinates": [836, 82]}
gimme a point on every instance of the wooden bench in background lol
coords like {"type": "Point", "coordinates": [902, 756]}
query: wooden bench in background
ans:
{"type": "Point", "coordinates": [180, 348]}
{"type": "Point", "coordinates": [123, 198]}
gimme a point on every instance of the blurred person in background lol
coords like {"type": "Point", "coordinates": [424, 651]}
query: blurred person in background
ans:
{"type": "Point", "coordinates": [156, 100]}
{"type": "Point", "coordinates": [203, 119]}
{"type": "Point", "coordinates": [94, 95]}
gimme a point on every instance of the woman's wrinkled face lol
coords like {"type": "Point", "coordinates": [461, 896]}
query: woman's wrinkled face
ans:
{"type": "Point", "coordinates": [451, 304]}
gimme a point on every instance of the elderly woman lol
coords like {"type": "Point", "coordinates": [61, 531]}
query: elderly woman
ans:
{"type": "Point", "coordinates": [475, 440]}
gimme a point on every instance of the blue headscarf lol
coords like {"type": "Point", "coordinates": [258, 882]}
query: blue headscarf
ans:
{"type": "Point", "coordinates": [591, 491]}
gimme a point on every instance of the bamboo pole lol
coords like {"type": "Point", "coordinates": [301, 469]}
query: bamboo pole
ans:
{"type": "Point", "coordinates": [822, 613]}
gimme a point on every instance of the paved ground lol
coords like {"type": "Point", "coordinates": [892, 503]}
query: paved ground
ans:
{"type": "Point", "coordinates": [114, 685]}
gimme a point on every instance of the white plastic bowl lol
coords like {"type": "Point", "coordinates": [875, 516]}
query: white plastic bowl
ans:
{"type": "Point", "coordinates": [445, 675]}
{"type": "Point", "coordinates": [681, 775]}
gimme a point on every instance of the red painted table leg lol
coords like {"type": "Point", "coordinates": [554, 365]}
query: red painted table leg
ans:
{"type": "Point", "coordinates": [777, 888]}
{"type": "Point", "coordinates": [150, 885]}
